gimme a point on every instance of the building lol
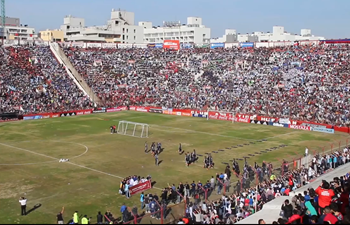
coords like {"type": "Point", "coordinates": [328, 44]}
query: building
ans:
{"type": "Point", "coordinates": [192, 32]}
{"type": "Point", "coordinates": [14, 30]}
{"type": "Point", "coordinates": [120, 28]}
{"type": "Point", "coordinates": [229, 37]}
{"type": "Point", "coordinates": [278, 34]}
{"type": "Point", "coordinates": [52, 35]}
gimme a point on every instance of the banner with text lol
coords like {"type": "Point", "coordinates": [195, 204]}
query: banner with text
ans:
{"type": "Point", "coordinates": [140, 187]}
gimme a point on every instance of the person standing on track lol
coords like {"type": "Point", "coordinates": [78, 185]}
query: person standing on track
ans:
{"type": "Point", "coordinates": [23, 202]}
{"type": "Point", "coordinates": [60, 217]}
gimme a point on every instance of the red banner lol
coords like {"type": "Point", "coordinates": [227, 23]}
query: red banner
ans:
{"type": "Point", "coordinates": [140, 187]}
{"type": "Point", "coordinates": [178, 112]}
{"type": "Point", "coordinates": [266, 119]}
{"type": "Point", "coordinates": [298, 127]}
{"type": "Point", "coordinates": [9, 120]}
{"type": "Point", "coordinates": [171, 44]}
{"type": "Point", "coordinates": [243, 118]}
{"type": "Point", "coordinates": [220, 116]}
{"type": "Point", "coordinates": [117, 109]}
{"type": "Point", "coordinates": [54, 115]}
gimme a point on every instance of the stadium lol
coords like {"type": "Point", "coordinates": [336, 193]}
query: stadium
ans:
{"type": "Point", "coordinates": [173, 132]}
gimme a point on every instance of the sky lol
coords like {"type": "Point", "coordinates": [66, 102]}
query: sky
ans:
{"type": "Point", "coordinates": [325, 18]}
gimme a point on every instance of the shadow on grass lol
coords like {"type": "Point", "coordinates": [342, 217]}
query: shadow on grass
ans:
{"type": "Point", "coordinates": [37, 206]}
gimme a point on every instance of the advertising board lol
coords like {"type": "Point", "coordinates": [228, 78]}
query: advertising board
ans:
{"type": "Point", "coordinates": [217, 45]}
{"type": "Point", "coordinates": [323, 130]}
{"type": "Point", "coordinates": [299, 127]}
{"type": "Point", "coordinates": [171, 44]}
{"type": "Point", "coordinates": [158, 45]}
{"type": "Point", "coordinates": [246, 44]}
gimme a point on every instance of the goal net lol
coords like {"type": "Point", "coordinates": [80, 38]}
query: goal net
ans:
{"type": "Point", "coordinates": [133, 129]}
{"type": "Point", "coordinates": [221, 115]}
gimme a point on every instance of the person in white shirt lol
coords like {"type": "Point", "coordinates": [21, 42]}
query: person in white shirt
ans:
{"type": "Point", "coordinates": [23, 202]}
{"type": "Point", "coordinates": [306, 151]}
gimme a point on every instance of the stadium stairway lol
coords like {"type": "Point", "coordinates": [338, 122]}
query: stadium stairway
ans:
{"type": "Point", "coordinates": [74, 74]}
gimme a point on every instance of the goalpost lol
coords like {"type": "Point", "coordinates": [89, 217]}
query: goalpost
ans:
{"type": "Point", "coordinates": [133, 129]}
{"type": "Point", "coordinates": [221, 115]}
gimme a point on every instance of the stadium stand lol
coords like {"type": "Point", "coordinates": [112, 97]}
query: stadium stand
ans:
{"type": "Point", "coordinates": [307, 83]}
{"type": "Point", "coordinates": [32, 81]}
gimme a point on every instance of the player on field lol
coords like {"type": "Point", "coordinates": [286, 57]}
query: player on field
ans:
{"type": "Point", "coordinates": [188, 159]}
{"type": "Point", "coordinates": [146, 147]}
{"type": "Point", "coordinates": [112, 129]}
{"type": "Point", "coordinates": [180, 148]}
{"type": "Point", "coordinates": [153, 148]}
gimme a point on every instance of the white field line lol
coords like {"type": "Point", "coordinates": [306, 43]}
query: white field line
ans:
{"type": "Point", "coordinates": [74, 164]}
{"type": "Point", "coordinates": [26, 164]}
{"type": "Point", "coordinates": [220, 135]}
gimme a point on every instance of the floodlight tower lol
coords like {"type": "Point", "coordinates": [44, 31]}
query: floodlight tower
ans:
{"type": "Point", "coordinates": [3, 19]}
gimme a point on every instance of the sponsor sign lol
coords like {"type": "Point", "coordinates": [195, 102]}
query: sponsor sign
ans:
{"type": "Point", "coordinates": [116, 109]}
{"type": "Point", "coordinates": [217, 45]}
{"type": "Point", "coordinates": [140, 46]}
{"type": "Point", "coordinates": [246, 44]}
{"type": "Point", "coordinates": [259, 122]}
{"type": "Point", "coordinates": [199, 114]}
{"type": "Point", "coordinates": [8, 120]}
{"type": "Point", "coordinates": [323, 129]}
{"type": "Point", "coordinates": [55, 115]}
{"type": "Point", "coordinates": [231, 45]}
{"type": "Point", "coordinates": [140, 187]}
{"type": "Point", "coordinates": [124, 45]}
{"type": "Point", "coordinates": [155, 110]}
{"type": "Point", "coordinates": [68, 114]}
{"type": "Point", "coordinates": [32, 117]}
{"type": "Point", "coordinates": [220, 116]}
{"type": "Point", "coordinates": [151, 45]}
{"type": "Point", "coordinates": [140, 109]}
{"type": "Point", "coordinates": [109, 45]}
{"type": "Point", "coordinates": [99, 110]}
{"type": "Point", "coordinates": [242, 120]}
{"type": "Point", "coordinates": [313, 125]}
{"type": "Point", "coordinates": [284, 120]}
{"type": "Point", "coordinates": [300, 127]}
{"type": "Point", "coordinates": [171, 44]}
{"type": "Point", "coordinates": [266, 119]}
{"type": "Point", "coordinates": [186, 45]}
{"type": "Point", "coordinates": [276, 124]}
{"type": "Point", "coordinates": [158, 45]}
{"type": "Point", "coordinates": [93, 45]}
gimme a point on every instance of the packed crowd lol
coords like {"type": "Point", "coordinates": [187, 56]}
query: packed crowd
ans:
{"type": "Point", "coordinates": [245, 197]}
{"type": "Point", "coordinates": [300, 82]}
{"type": "Point", "coordinates": [32, 81]}
{"type": "Point", "coordinates": [328, 204]}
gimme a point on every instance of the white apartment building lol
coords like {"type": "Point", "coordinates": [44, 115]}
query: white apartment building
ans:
{"type": "Point", "coordinates": [192, 32]}
{"type": "Point", "coordinates": [120, 28]}
{"type": "Point", "coordinates": [278, 34]}
{"type": "Point", "coordinates": [14, 30]}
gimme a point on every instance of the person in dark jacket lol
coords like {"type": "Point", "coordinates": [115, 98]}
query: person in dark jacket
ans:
{"type": "Point", "coordinates": [99, 218]}
{"type": "Point", "coordinates": [287, 209]}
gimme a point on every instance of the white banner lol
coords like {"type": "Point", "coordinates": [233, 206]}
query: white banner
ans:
{"type": "Point", "coordinates": [284, 120]}
{"type": "Point", "coordinates": [93, 45]}
{"type": "Point", "coordinates": [140, 45]}
{"type": "Point", "coordinates": [124, 45]}
{"type": "Point", "coordinates": [109, 45]}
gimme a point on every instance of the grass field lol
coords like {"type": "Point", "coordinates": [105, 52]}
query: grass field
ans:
{"type": "Point", "coordinates": [30, 151]}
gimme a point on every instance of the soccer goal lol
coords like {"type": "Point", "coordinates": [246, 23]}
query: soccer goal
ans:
{"type": "Point", "coordinates": [133, 129]}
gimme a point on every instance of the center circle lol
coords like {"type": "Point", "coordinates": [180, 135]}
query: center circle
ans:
{"type": "Point", "coordinates": [61, 148]}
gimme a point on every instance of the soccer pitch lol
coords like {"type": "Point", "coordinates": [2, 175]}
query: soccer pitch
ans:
{"type": "Point", "coordinates": [89, 182]}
